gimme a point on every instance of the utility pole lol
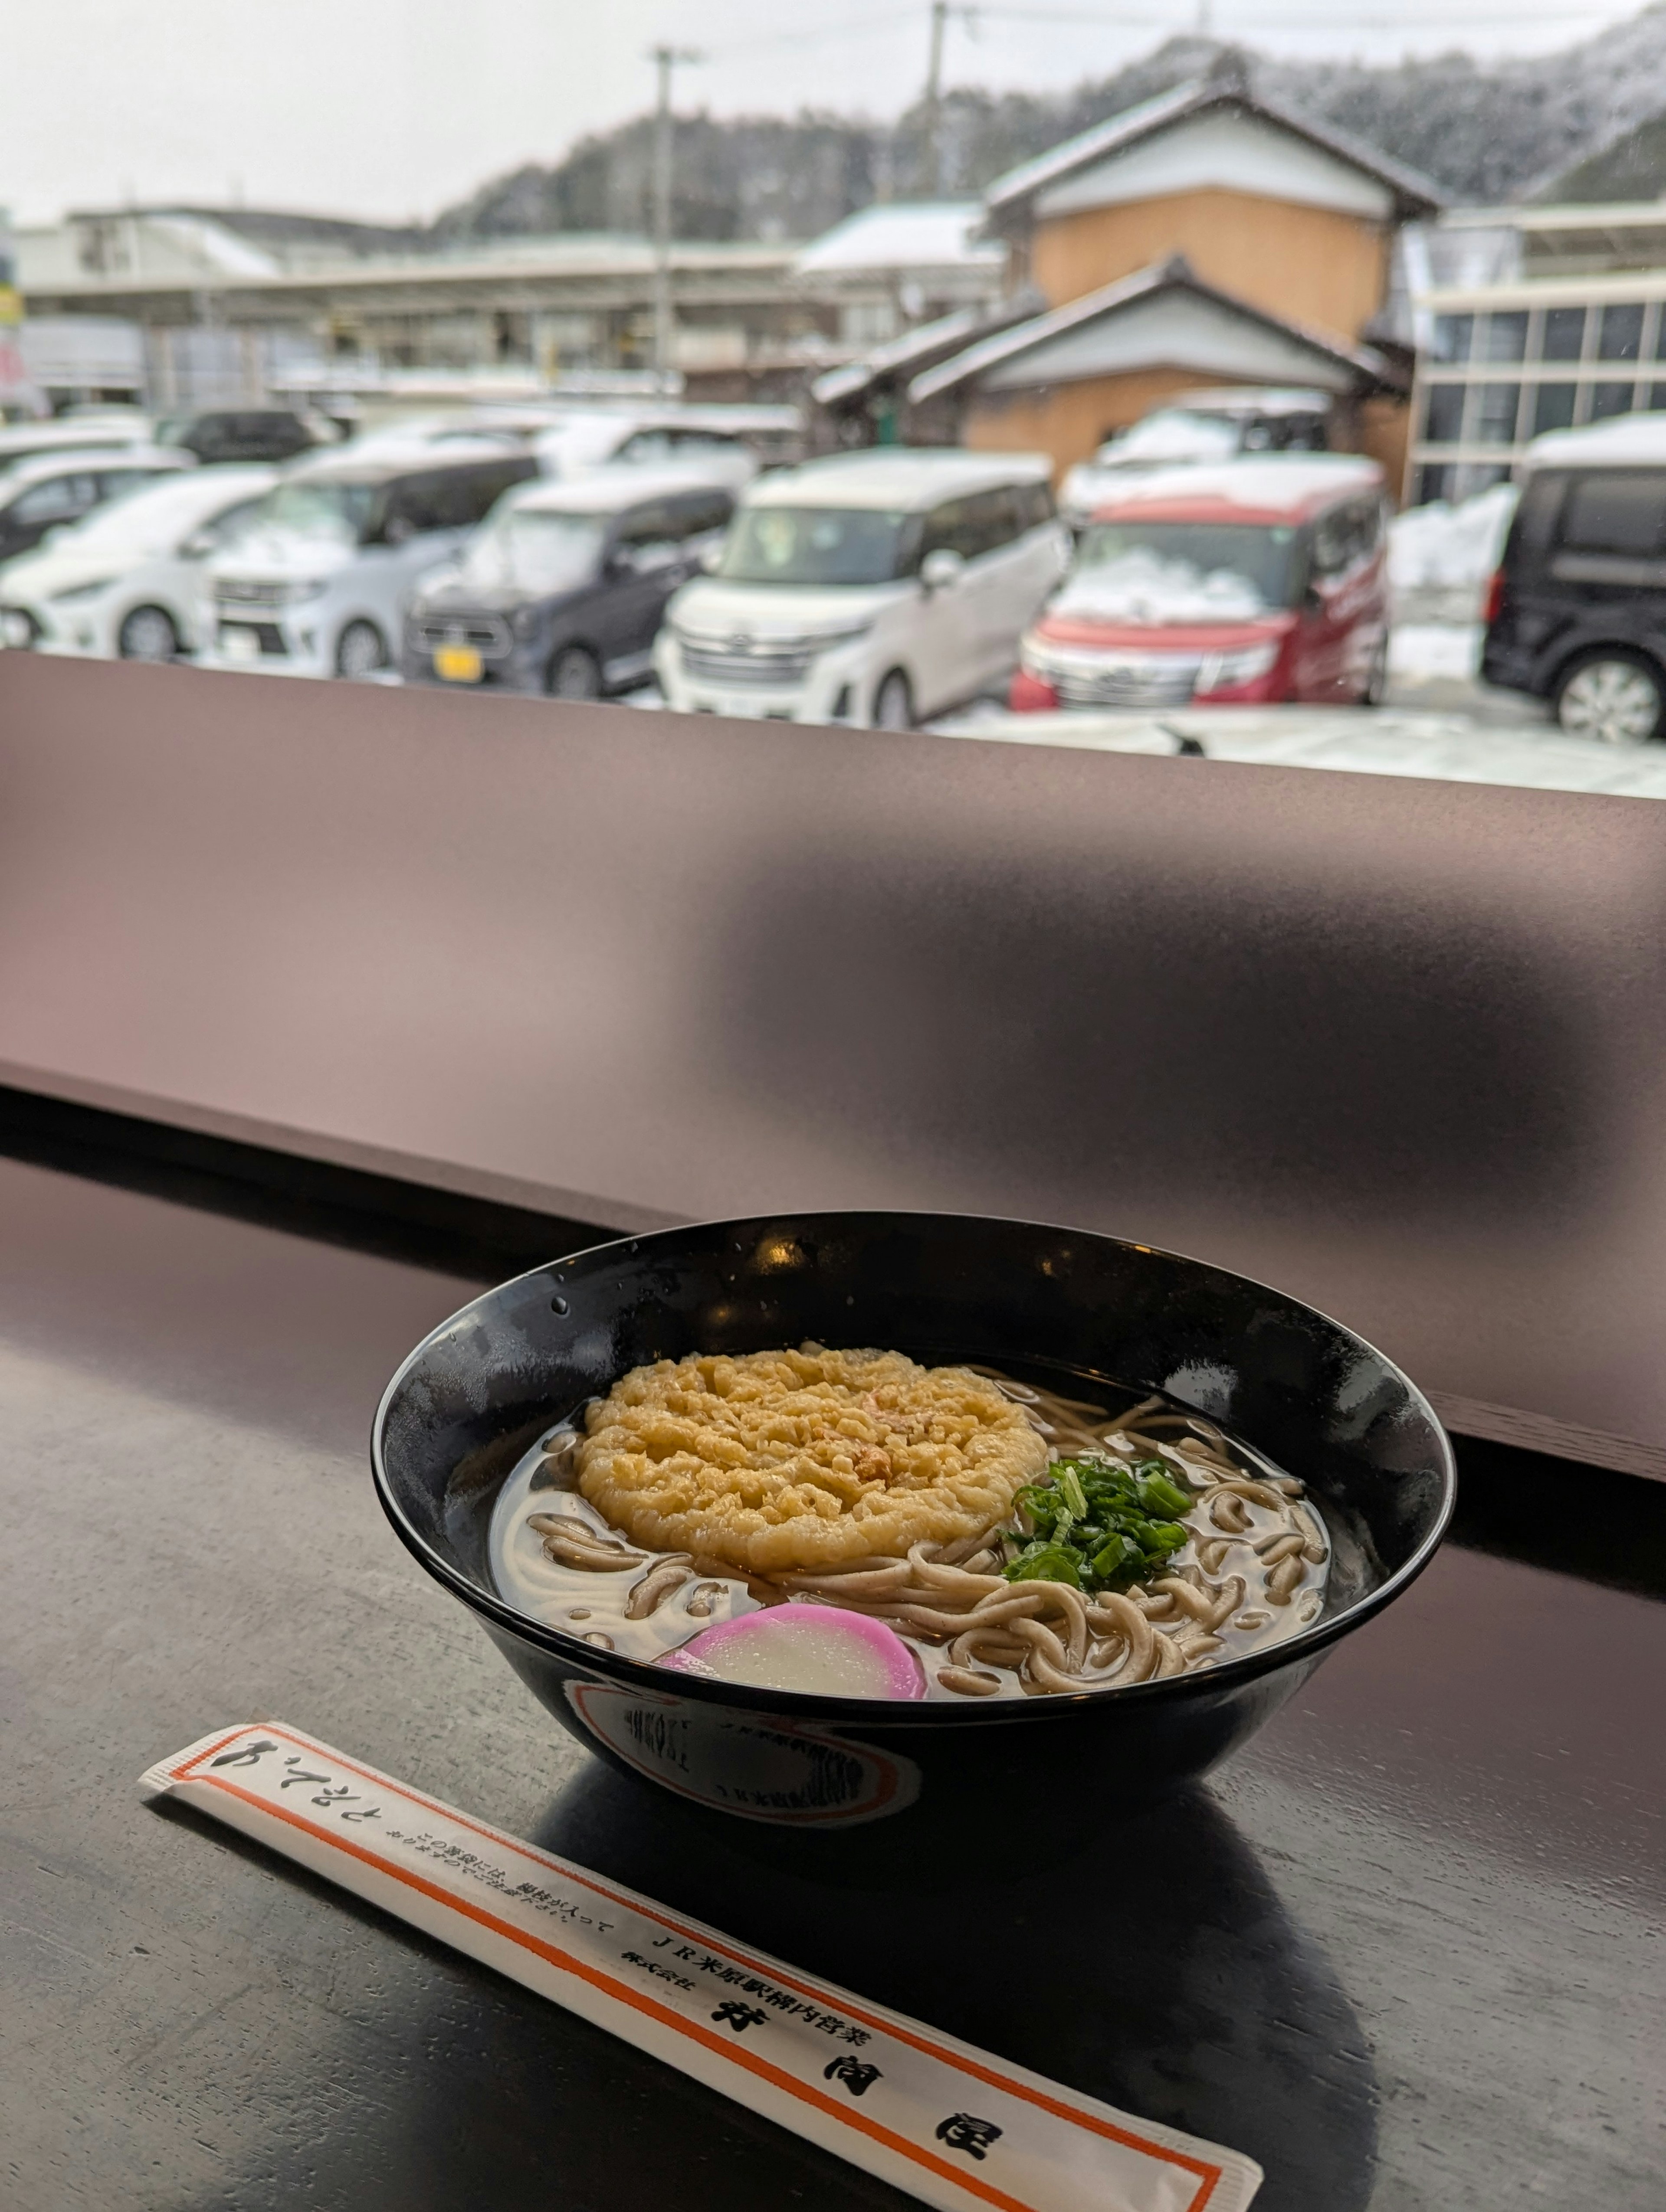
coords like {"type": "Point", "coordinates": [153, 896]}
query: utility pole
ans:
{"type": "Point", "coordinates": [934, 97]}
{"type": "Point", "coordinates": [664, 59]}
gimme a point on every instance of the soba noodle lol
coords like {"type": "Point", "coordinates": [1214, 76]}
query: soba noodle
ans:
{"type": "Point", "coordinates": [1251, 1570]}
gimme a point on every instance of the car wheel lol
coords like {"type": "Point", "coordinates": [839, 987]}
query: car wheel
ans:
{"type": "Point", "coordinates": [361, 650]}
{"type": "Point", "coordinates": [893, 703]}
{"type": "Point", "coordinates": [575, 673]}
{"type": "Point", "coordinates": [1618, 698]}
{"type": "Point", "coordinates": [148, 634]}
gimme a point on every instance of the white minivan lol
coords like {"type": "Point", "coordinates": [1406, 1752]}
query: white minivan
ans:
{"type": "Point", "coordinates": [871, 588]}
{"type": "Point", "coordinates": [318, 580]}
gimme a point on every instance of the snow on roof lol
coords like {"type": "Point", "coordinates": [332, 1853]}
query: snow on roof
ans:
{"type": "Point", "coordinates": [924, 343]}
{"type": "Point", "coordinates": [894, 476]}
{"type": "Point", "coordinates": [1261, 484]}
{"type": "Point", "coordinates": [1254, 400]}
{"type": "Point", "coordinates": [607, 490]}
{"type": "Point", "coordinates": [1414, 195]}
{"type": "Point", "coordinates": [1630, 441]}
{"type": "Point", "coordinates": [1175, 272]}
{"type": "Point", "coordinates": [924, 234]}
{"type": "Point", "coordinates": [214, 246]}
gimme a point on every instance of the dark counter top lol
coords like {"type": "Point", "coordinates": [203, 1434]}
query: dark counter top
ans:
{"type": "Point", "coordinates": [1406, 1951]}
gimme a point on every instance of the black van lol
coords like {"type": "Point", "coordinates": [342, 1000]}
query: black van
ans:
{"type": "Point", "coordinates": [1576, 612]}
{"type": "Point", "coordinates": [241, 434]}
{"type": "Point", "coordinates": [562, 589]}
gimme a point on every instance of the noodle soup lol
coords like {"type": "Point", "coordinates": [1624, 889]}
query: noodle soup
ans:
{"type": "Point", "coordinates": [850, 1524]}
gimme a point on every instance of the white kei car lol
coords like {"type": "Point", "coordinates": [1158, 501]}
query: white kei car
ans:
{"type": "Point", "coordinates": [318, 580]}
{"type": "Point", "coordinates": [872, 588]}
{"type": "Point", "coordinates": [126, 583]}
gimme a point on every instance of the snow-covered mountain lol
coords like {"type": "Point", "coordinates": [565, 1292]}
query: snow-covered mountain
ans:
{"type": "Point", "coordinates": [1485, 131]}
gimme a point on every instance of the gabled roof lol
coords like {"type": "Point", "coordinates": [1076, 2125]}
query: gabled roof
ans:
{"type": "Point", "coordinates": [922, 347]}
{"type": "Point", "coordinates": [895, 236]}
{"type": "Point", "coordinates": [1173, 274]}
{"type": "Point", "coordinates": [1225, 89]}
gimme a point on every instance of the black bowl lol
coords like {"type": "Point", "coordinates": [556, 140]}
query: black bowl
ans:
{"type": "Point", "coordinates": [474, 1396]}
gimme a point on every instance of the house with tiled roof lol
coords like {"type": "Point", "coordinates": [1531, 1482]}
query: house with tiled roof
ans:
{"type": "Point", "coordinates": [1206, 237]}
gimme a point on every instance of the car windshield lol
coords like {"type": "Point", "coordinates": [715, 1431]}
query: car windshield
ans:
{"type": "Point", "coordinates": [337, 511]}
{"type": "Point", "coordinates": [1153, 572]}
{"type": "Point", "coordinates": [819, 545]}
{"type": "Point", "coordinates": [525, 550]}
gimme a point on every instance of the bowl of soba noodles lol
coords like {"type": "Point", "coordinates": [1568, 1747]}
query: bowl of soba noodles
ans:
{"type": "Point", "coordinates": [830, 1519]}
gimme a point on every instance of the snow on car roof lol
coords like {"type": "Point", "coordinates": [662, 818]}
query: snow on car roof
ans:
{"type": "Point", "coordinates": [378, 461]}
{"type": "Point", "coordinates": [1628, 441]}
{"type": "Point", "coordinates": [895, 476]}
{"type": "Point", "coordinates": [606, 491]}
{"type": "Point", "coordinates": [71, 460]}
{"type": "Point", "coordinates": [1263, 483]}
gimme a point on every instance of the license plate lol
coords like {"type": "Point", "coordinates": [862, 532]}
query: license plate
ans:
{"type": "Point", "coordinates": [239, 642]}
{"type": "Point", "coordinates": [457, 663]}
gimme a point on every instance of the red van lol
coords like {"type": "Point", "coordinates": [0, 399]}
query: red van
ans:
{"type": "Point", "coordinates": [1240, 582]}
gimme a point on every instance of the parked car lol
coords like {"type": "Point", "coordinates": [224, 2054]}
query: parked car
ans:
{"type": "Point", "coordinates": [246, 434]}
{"type": "Point", "coordinates": [44, 494]}
{"type": "Point", "coordinates": [126, 583]}
{"type": "Point", "coordinates": [869, 588]}
{"type": "Point", "coordinates": [1576, 611]}
{"type": "Point", "coordinates": [647, 438]}
{"type": "Point", "coordinates": [1201, 426]}
{"type": "Point", "coordinates": [562, 589]}
{"type": "Point", "coordinates": [33, 441]}
{"type": "Point", "coordinates": [1249, 581]}
{"type": "Point", "coordinates": [317, 581]}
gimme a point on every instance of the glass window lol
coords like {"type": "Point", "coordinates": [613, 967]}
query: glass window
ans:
{"type": "Point", "coordinates": [1552, 407]}
{"type": "Point", "coordinates": [1506, 335]}
{"type": "Point", "coordinates": [700, 513]}
{"type": "Point", "coordinates": [1621, 512]}
{"type": "Point", "coordinates": [820, 545]}
{"type": "Point", "coordinates": [1035, 505]}
{"type": "Point", "coordinates": [1620, 337]}
{"type": "Point", "coordinates": [1564, 333]}
{"type": "Point", "coordinates": [959, 526]}
{"type": "Point", "coordinates": [114, 484]}
{"type": "Point", "coordinates": [1657, 398]}
{"type": "Point", "coordinates": [693, 445]}
{"type": "Point", "coordinates": [982, 523]}
{"type": "Point", "coordinates": [1432, 481]}
{"type": "Point", "coordinates": [337, 511]}
{"type": "Point", "coordinates": [644, 447]}
{"type": "Point", "coordinates": [650, 537]}
{"type": "Point", "coordinates": [1248, 566]}
{"type": "Point", "coordinates": [1607, 400]}
{"type": "Point", "coordinates": [1496, 405]}
{"type": "Point", "coordinates": [55, 500]}
{"type": "Point", "coordinates": [526, 551]}
{"type": "Point", "coordinates": [1442, 421]}
{"type": "Point", "coordinates": [1454, 335]}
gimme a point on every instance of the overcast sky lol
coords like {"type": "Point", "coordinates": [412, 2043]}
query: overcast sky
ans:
{"type": "Point", "coordinates": [393, 108]}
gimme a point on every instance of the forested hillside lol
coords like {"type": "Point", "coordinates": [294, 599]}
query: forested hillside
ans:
{"type": "Point", "coordinates": [1484, 131]}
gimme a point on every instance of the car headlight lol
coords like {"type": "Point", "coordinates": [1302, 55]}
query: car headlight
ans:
{"type": "Point", "coordinates": [73, 591]}
{"type": "Point", "coordinates": [527, 621]}
{"type": "Point", "coordinates": [306, 587]}
{"type": "Point", "coordinates": [1221, 670]}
